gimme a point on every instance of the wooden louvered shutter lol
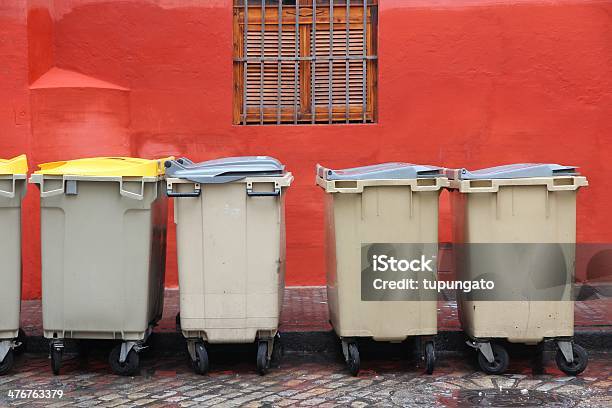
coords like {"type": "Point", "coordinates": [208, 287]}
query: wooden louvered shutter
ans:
{"type": "Point", "coordinates": [269, 92]}
{"type": "Point", "coordinates": [298, 79]}
{"type": "Point", "coordinates": [348, 84]}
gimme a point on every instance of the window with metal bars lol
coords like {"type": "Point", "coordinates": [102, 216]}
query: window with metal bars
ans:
{"type": "Point", "coordinates": [305, 61]}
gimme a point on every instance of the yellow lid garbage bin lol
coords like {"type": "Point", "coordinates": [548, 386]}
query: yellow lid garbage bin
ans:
{"type": "Point", "coordinates": [103, 239]}
{"type": "Point", "coordinates": [230, 228]}
{"type": "Point", "coordinates": [374, 214]}
{"type": "Point", "coordinates": [13, 173]}
{"type": "Point", "coordinates": [515, 226]}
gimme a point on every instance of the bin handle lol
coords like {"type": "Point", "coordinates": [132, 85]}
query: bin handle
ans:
{"type": "Point", "coordinates": [130, 194]}
{"type": "Point", "coordinates": [9, 194]}
{"type": "Point", "coordinates": [275, 193]}
{"type": "Point", "coordinates": [195, 193]}
{"type": "Point", "coordinates": [171, 193]}
{"type": "Point", "coordinates": [50, 193]}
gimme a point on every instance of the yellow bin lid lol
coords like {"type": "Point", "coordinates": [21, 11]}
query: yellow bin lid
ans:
{"type": "Point", "coordinates": [16, 165]}
{"type": "Point", "coordinates": [105, 166]}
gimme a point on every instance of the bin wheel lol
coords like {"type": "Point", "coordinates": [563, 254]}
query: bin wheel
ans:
{"type": "Point", "coordinates": [23, 339]}
{"type": "Point", "coordinates": [581, 359]}
{"type": "Point", "coordinates": [84, 348]}
{"type": "Point", "coordinates": [56, 359]}
{"type": "Point", "coordinates": [500, 362]}
{"type": "Point", "coordinates": [353, 359]}
{"type": "Point", "coordinates": [7, 363]}
{"type": "Point", "coordinates": [277, 352]}
{"type": "Point", "coordinates": [538, 360]}
{"type": "Point", "coordinates": [430, 357]}
{"type": "Point", "coordinates": [262, 358]}
{"type": "Point", "coordinates": [200, 364]}
{"type": "Point", "coordinates": [127, 368]}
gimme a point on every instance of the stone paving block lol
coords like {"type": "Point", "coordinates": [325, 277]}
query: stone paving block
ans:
{"type": "Point", "coordinates": [502, 383]}
{"type": "Point", "coordinates": [109, 397]}
{"type": "Point", "coordinates": [483, 382]}
{"type": "Point", "coordinates": [445, 385]}
{"type": "Point", "coordinates": [143, 401]}
{"type": "Point", "coordinates": [328, 405]}
{"type": "Point", "coordinates": [310, 402]}
{"type": "Point", "coordinates": [213, 402]}
{"type": "Point", "coordinates": [175, 399]}
{"type": "Point", "coordinates": [528, 384]}
{"type": "Point", "coordinates": [206, 397]}
{"type": "Point", "coordinates": [122, 402]}
{"type": "Point", "coordinates": [164, 395]}
{"type": "Point", "coordinates": [287, 403]}
{"type": "Point", "coordinates": [548, 386]}
{"type": "Point", "coordinates": [298, 382]}
{"type": "Point", "coordinates": [247, 398]}
{"type": "Point", "coordinates": [137, 395]}
{"type": "Point", "coordinates": [288, 393]}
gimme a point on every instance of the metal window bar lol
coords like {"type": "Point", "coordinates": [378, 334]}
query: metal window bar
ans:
{"type": "Point", "coordinates": [246, 63]}
{"type": "Point", "coordinates": [313, 64]}
{"type": "Point", "coordinates": [312, 59]}
{"type": "Point", "coordinates": [296, 63]}
{"type": "Point", "coordinates": [364, 72]}
{"type": "Point", "coordinates": [346, 62]}
{"type": "Point", "coordinates": [280, 64]}
{"type": "Point", "coordinates": [331, 63]}
{"type": "Point", "coordinates": [262, 63]}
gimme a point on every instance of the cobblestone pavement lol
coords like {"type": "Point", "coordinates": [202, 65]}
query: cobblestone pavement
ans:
{"type": "Point", "coordinates": [305, 310]}
{"type": "Point", "coordinates": [304, 380]}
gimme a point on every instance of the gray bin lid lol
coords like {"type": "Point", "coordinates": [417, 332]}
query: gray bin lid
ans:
{"type": "Point", "coordinates": [224, 170]}
{"type": "Point", "coordinates": [384, 171]}
{"type": "Point", "coordinates": [519, 170]}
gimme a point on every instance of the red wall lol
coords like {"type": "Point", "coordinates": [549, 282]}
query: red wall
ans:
{"type": "Point", "coordinates": [461, 83]}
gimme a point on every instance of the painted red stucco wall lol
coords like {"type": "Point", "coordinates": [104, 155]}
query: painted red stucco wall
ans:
{"type": "Point", "coordinates": [461, 83]}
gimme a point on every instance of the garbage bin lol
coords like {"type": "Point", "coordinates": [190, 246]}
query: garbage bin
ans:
{"type": "Point", "coordinates": [381, 210]}
{"type": "Point", "coordinates": [515, 225]}
{"type": "Point", "coordinates": [12, 190]}
{"type": "Point", "coordinates": [103, 238]}
{"type": "Point", "coordinates": [230, 223]}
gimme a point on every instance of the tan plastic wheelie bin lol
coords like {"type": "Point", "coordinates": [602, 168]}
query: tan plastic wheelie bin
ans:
{"type": "Point", "coordinates": [516, 226]}
{"type": "Point", "coordinates": [103, 238]}
{"type": "Point", "coordinates": [389, 208]}
{"type": "Point", "coordinates": [12, 190]}
{"type": "Point", "coordinates": [230, 222]}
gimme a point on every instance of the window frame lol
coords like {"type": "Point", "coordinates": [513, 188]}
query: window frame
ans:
{"type": "Point", "coordinates": [265, 19]}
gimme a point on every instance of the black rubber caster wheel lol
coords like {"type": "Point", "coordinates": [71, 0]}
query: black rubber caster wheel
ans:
{"type": "Point", "coordinates": [581, 359]}
{"type": "Point", "coordinates": [84, 349]}
{"type": "Point", "coordinates": [277, 352]}
{"type": "Point", "coordinates": [200, 364]}
{"type": "Point", "coordinates": [23, 340]}
{"type": "Point", "coordinates": [538, 360]}
{"type": "Point", "coordinates": [353, 359]}
{"type": "Point", "coordinates": [500, 362]}
{"type": "Point", "coordinates": [8, 362]}
{"type": "Point", "coordinates": [131, 365]}
{"type": "Point", "coordinates": [263, 364]}
{"type": "Point", "coordinates": [56, 359]}
{"type": "Point", "coordinates": [430, 357]}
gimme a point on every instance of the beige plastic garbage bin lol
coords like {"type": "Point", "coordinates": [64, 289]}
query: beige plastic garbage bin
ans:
{"type": "Point", "coordinates": [230, 222]}
{"type": "Point", "coordinates": [386, 210]}
{"type": "Point", "coordinates": [516, 226]}
{"type": "Point", "coordinates": [103, 237]}
{"type": "Point", "coordinates": [12, 190]}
